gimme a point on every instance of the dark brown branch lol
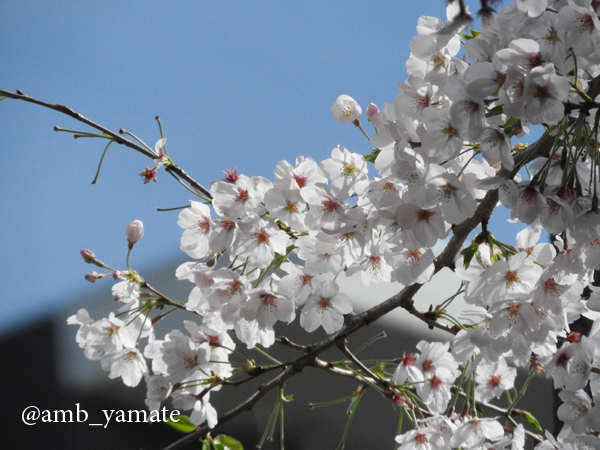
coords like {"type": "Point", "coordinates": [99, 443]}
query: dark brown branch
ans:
{"type": "Point", "coordinates": [282, 340]}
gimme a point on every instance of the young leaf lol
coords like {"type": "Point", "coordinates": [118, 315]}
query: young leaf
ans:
{"type": "Point", "coordinates": [532, 420]}
{"type": "Point", "coordinates": [468, 254]}
{"type": "Point", "coordinates": [373, 155]}
{"type": "Point", "coordinates": [183, 424]}
{"type": "Point", "coordinates": [223, 442]}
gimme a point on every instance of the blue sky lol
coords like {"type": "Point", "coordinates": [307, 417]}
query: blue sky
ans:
{"type": "Point", "coordinates": [237, 84]}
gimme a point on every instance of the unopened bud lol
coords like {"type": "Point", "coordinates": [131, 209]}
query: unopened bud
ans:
{"type": "Point", "coordinates": [88, 256]}
{"type": "Point", "coordinates": [92, 276]}
{"type": "Point", "coordinates": [117, 275]}
{"type": "Point", "coordinates": [249, 367]}
{"type": "Point", "coordinates": [372, 109]}
{"type": "Point", "coordinates": [134, 231]}
{"type": "Point", "coordinates": [574, 337]}
{"type": "Point", "coordinates": [402, 401]}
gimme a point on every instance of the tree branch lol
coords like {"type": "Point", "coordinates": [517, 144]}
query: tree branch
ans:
{"type": "Point", "coordinates": [173, 168]}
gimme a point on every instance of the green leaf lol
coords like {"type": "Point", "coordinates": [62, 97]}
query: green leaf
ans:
{"type": "Point", "coordinates": [468, 36]}
{"type": "Point", "coordinates": [183, 424]}
{"type": "Point", "coordinates": [223, 442]}
{"type": "Point", "coordinates": [379, 369]}
{"type": "Point", "coordinates": [373, 155]}
{"type": "Point", "coordinates": [532, 420]}
{"type": "Point", "coordinates": [495, 111]}
{"type": "Point", "coordinates": [468, 254]}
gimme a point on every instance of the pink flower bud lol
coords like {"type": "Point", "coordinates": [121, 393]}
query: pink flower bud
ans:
{"type": "Point", "coordinates": [134, 231]}
{"type": "Point", "coordinates": [88, 256]}
{"type": "Point", "coordinates": [372, 109]}
{"type": "Point", "coordinates": [117, 275]}
{"type": "Point", "coordinates": [92, 276]}
{"type": "Point", "coordinates": [574, 337]}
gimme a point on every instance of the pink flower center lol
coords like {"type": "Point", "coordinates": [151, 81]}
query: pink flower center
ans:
{"type": "Point", "coordinates": [301, 179]}
{"type": "Point", "coordinates": [499, 78]}
{"type": "Point", "coordinates": [230, 175]}
{"type": "Point", "coordinates": [234, 286]}
{"type": "Point", "coordinates": [513, 311]}
{"type": "Point", "coordinates": [449, 130]}
{"type": "Point", "coordinates": [409, 360]}
{"type": "Point", "coordinates": [541, 92]}
{"type": "Point", "coordinates": [494, 380]}
{"type": "Point", "coordinates": [227, 224]}
{"type": "Point", "coordinates": [422, 101]}
{"type": "Point", "coordinates": [305, 279]}
{"type": "Point", "coordinates": [563, 359]}
{"type": "Point", "coordinates": [446, 192]}
{"type": "Point", "coordinates": [149, 175]}
{"type": "Point", "coordinates": [552, 35]}
{"type": "Point", "coordinates": [375, 262]}
{"type": "Point", "coordinates": [587, 23]}
{"type": "Point", "coordinates": [534, 60]}
{"type": "Point", "coordinates": [329, 205]}
{"type": "Point", "coordinates": [414, 255]}
{"type": "Point", "coordinates": [388, 187]}
{"type": "Point", "coordinates": [112, 329]}
{"type": "Point", "coordinates": [511, 277]}
{"type": "Point", "coordinates": [421, 439]}
{"type": "Point", "coordinates": [325, 302]}
{"type": "Point", "coordinates": [267, 299]}
{"type": "Point", "coordinates": [291, 207]}
{"type": "Point", "coordinates": [424, 215]}
{"type": "Point", "coordinates": [428, 365]}
{"type": "Point", "coordinates": [435, 382]}
{"type": "Point", "coordinates": [470, 106]}
{"type": "Point", "coordinates": [242, 195]}
{"type": "Point", "coordinates": [551, 286]}
{"type": "Point", "coordinates": [262, 236]}
{"type": "Point", "coordinates": [204, 224]}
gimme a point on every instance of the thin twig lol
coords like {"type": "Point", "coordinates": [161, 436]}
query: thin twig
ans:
{"type": "Point", "coordinates": [115, 136]}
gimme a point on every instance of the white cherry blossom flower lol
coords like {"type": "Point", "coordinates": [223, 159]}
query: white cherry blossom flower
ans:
{"type": "Point", "coordinates": [259, 240]}
{"type": "Point", "coordinates": [129, 364]}
{"type": "Point", "coordinates": [345, 109]}
{"type": "Point", "coordinates": [347, 172]}
{"type": "Point", "coordinates": [325, 307]}
{"type": "Point", "coordinates": [267, 307]}
{"type": "Point", "coordinates": [493, 379]}
{"type": "Point", "coordinates": [197, 223]}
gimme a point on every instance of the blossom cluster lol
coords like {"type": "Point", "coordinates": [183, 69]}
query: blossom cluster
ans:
{"type": "Point", "coordinates": [266, 251]}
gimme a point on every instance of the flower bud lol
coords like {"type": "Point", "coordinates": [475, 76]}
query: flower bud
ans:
{"type": "Point", "coordinates": [134, 231]}
{"type": "Point", "coordinates": [117, 275]}
{"type": "Point", "coordinates": [372, 109]}
{"type": "Point", "coordinates": [92, 276]}
{"type": "Point", "coordinates": [574, 337]}
{"type": "Point", "coordinates": [88, 256]}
